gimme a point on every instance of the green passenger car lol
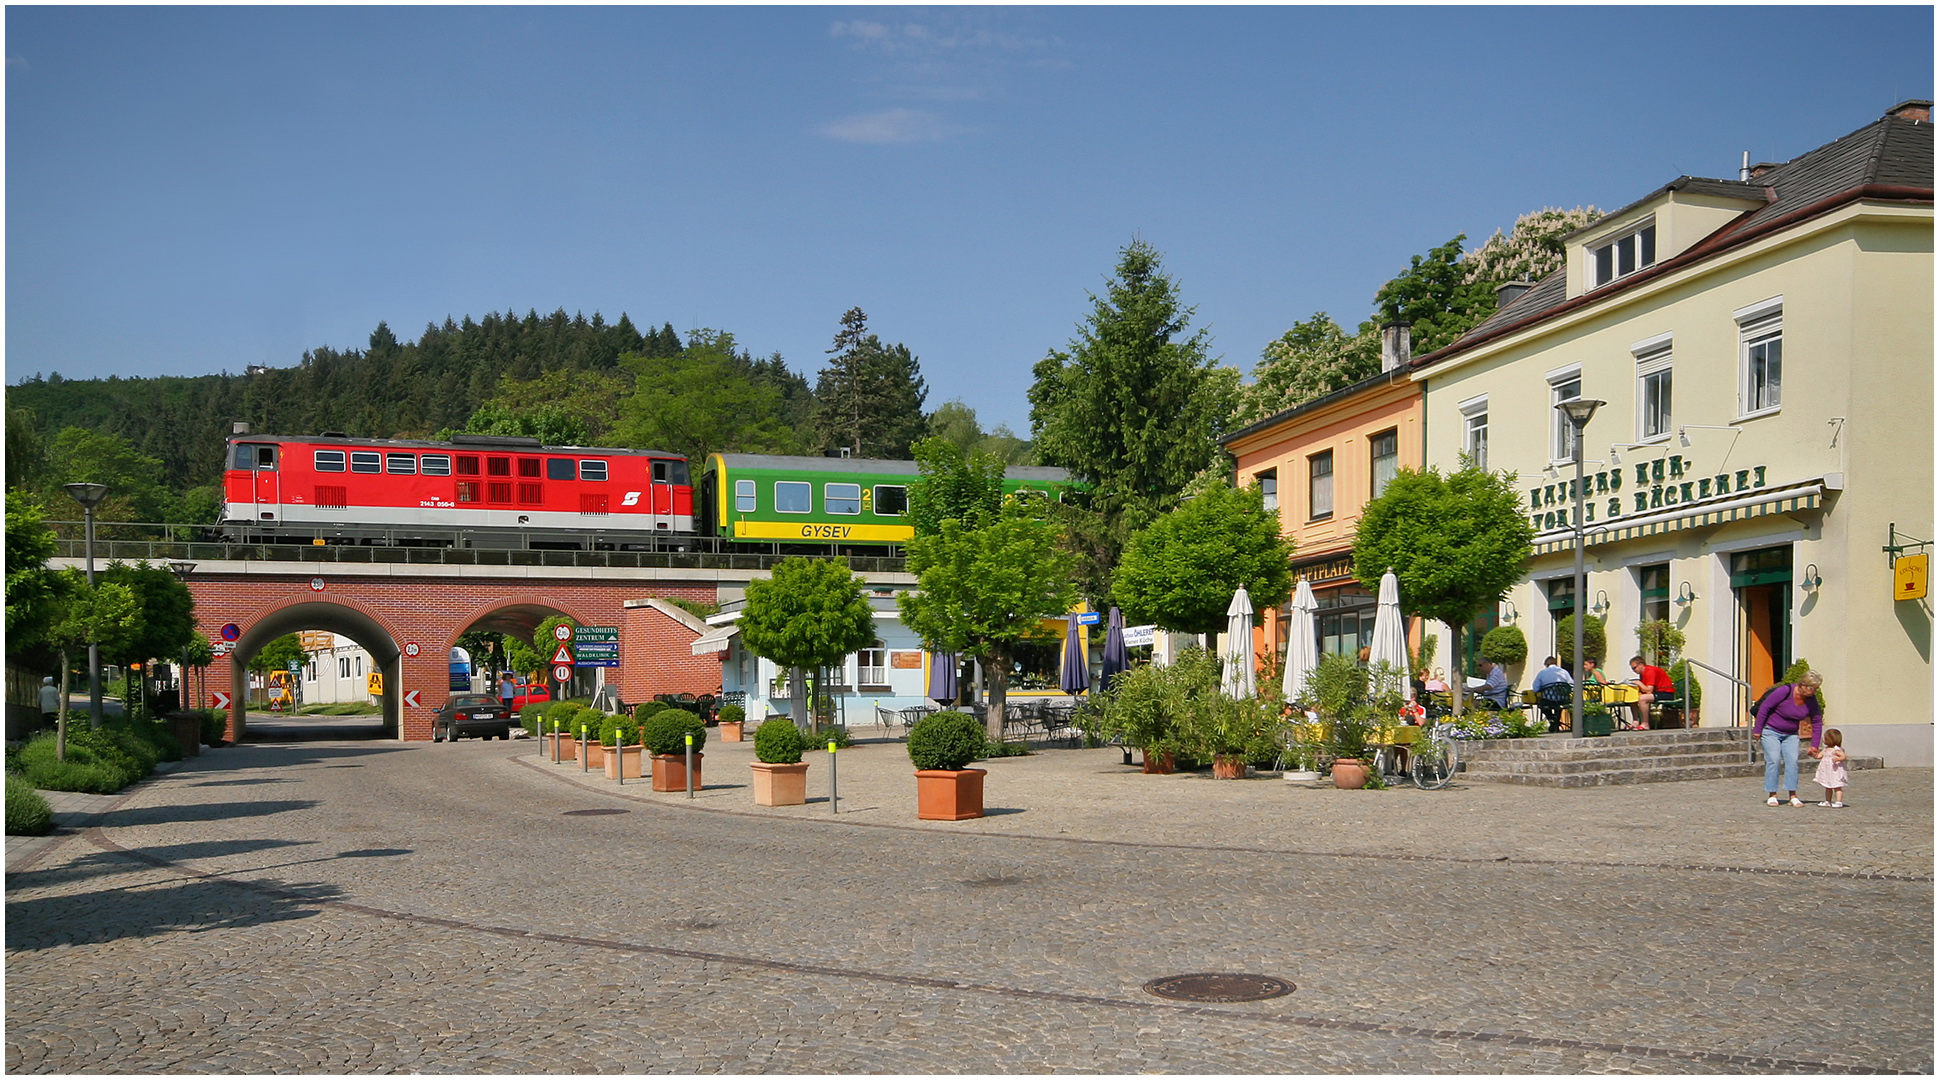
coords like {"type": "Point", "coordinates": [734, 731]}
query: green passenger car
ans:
{"type": "Point", "coordinates": [779, 499]}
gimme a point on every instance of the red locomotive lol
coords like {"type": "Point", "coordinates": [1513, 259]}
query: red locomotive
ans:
{"type": "Point", "coordinates": [474, 491]}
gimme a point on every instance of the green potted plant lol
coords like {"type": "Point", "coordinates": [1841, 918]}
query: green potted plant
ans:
{"type": "Point", "coordinates": [780, 776]}
{"type": "Point", "coordinates": [584, 723]}
{"type": "Point", "coordinates": [564, 735]}
{"type": "Point", "coordinates": [665, 734]}
{"type": "Point", "coordinates": [1143, 709]}
{"type": "Point", "coordinates": [619, 737]}
{"type": "Point", "coordinates": [941, 745]}
{"type": "Point", "coordinates": [731, 719]}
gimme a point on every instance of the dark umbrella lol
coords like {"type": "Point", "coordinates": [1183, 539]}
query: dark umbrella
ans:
{"type": "Point", "coordinates": [1117, 660]}
{"type": "Point", "coordinates": [1076, 676]}
{"type": "Point", "coordinates": [942, 677]}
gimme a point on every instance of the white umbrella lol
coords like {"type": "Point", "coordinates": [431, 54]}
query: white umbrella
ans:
{"type": "Point", "coordinates": [1302, 650]}
{"type": "Point", "coordinates": [1389, 628]}
{"type": "Point", "coordinates": [1238, 680]}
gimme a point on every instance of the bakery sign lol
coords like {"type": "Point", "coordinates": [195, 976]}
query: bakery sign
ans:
{"type": "Point", "coordinates": [1646, 487]}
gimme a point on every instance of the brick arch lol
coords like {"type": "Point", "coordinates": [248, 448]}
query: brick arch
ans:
{"type": "Point", "coordinates": [344, 615]}
{"type": "Point", "coordinates": [521, 601]}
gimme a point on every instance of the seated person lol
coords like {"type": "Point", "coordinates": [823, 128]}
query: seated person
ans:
{"type": "Point", "coordinates": [1591, 674]}
{"type": "Point", "coordinates": [1436, 683]}
{"type": "Point", "coordinates": [1494, 689]}
{"type": "Point", "coordinates": [1552, 672]}
{"type": "Point", "coordinates": [1652, 682]}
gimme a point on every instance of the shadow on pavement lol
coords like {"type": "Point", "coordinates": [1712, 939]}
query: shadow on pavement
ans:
{"type": "Point", "coordinates": [103, 863]}
{"type": "Point", "coordinates": [188, 906]}
{"type": "Point", "coordinates": [222, 811]}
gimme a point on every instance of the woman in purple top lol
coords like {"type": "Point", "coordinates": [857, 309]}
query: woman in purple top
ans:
{"type": "Point", "coordinates": [1778, 717]}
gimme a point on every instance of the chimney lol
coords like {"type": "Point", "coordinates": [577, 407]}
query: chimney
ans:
{"type": "Point", "coordinates": [1743, 174]}
{"type": "Point", "coordinates": [1917, 110]}
{"type": "Point", "coordinates": [240, 427]}
{"type": "Point", "coordinates": [1508, 292]}
{"type": "Point", "coordinates": [1396, 345]}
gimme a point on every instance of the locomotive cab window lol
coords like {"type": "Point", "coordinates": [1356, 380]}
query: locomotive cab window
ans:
{"type": "Point", "coordinates": [841, 498]}
{"type": "Point", "coordinates": [678, 475]}
{"type": "Point", "coordinates": [793, 497]}
{"type": "Point", "coordinates": [743, 496]}
{"type": "Point", "coordinates": [592, 470]}
{"type": "Point", "coordinates": [401, 464]}
{"type": "Point", "coordinates": [891, 500]}
{"type": "Point", "coordinates": [366, 461]}
{"type": "Point", "coordinates": [659, 472]}
{"type": "Point", "coordinates": [328, 460]}
{"type": "Point", "coordinates": [561, 468]}
{"type": "Point", "coordinates": [436, 465]}
{"type": "Point", "coordinates": [253, 456]}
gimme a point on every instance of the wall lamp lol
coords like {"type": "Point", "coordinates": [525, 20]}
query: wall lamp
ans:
{"type": "Point", "coordinates": [1683, 433]}
{"type": "Point", "coordinates": [1508, 617]}
{"type": "Point", "coordinates": [1602, 602]}
{"type": "Point", "coordinates": [1811, 579]}
{"type": "Point", "coordinates": [1685, 594]}
{"type": "Point", "coordinates": [1615, 459]}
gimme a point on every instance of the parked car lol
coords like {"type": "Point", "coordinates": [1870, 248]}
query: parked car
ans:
{"type": "Point", "coordinates": [525, 693]}
{"type": "Point", "coordinates": [471, 714]}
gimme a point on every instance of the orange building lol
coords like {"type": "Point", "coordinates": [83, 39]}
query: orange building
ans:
{"type": "Point", "coordinates": [1319, 464]}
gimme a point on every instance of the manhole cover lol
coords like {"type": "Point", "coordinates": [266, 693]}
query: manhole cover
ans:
{"type": "Point", "coordinates": [1219, 987]}
{"type": "Point", "coordinates": [600, 812]}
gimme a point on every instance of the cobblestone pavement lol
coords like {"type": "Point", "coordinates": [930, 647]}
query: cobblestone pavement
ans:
{"type": "Point", "coordinates": [371, 907]}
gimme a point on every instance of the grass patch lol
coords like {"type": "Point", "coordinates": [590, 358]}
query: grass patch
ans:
{"type": "Point", "coordinates": [27, 811]}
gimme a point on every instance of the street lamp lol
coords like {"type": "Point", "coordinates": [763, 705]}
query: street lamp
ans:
{"type": "Point", "coordinates": [90, 496]}
{"type": "Point", "coordinates": [1579, 410]}
{"type": "Point", "coordinates": [182, 571]}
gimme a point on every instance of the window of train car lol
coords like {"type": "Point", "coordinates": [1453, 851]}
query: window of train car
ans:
{"type": "Point", "coordinates": [467, 465]}
{"type": "Point", "coordinates": [680, 473]}
{"type": "Point", "coordinates": [743, 496]}
{"type": "Point", "coordinates": [328, 460]}
{"type": "Point", "coordinates": [891, 500]}
{"type": "Point", "coordinates": [530, 467]}
{"type": "Point", "coordinates": [245, 457]}
{"type": "Point", "coordinates": [592, 470]}
{"type": "Point", "coordinates": [841, 498]}
{"type": "Point", "coordinates": [561, 468]}
{"type": "Point", "coordinates": [367, 461]}
{"type": "Point", "coordinates": [436, 465]}
{"type": "Point", "coordinates": [401, 464]}
{"type": "Point", "coordinates": [793, 497]}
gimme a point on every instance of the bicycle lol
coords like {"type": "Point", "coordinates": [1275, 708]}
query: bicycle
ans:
{"type": "Point", "coordinates": [1436, 757]}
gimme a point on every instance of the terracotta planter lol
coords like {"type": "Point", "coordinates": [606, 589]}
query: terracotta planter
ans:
{"type": "Point", "coordinates": [1349, 773]}
{"type": "Point", "coordinates": [592, 754]}
{"type": "Point", "coordinates": [949, 794]}
{"type": "Point", "coordinates": [1161, 763]}
{"type": "Point", "coordinates": [630, 755]}
{"type": "Point", "coordinates": [567, 748]}
{"type": "Point", "coordinates": [1228, 767]}
{"type": "Point", "coordinates": [670, 772]}
{"type": "Point", "coordinates": [780, 785]}
{"type": "Point", "coordinates": [730, 730]}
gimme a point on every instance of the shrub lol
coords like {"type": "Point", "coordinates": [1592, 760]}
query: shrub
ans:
{"type": "Point", "coordinates": [1506, 645]}
{"type": "Point", "coordinates": [215, 726]}
{"type": "Point", "coordinates": [564, 715]}
{"type": "Point", "coordinates": [1659, 640]}
{"type": "Point", "coordinates": [532, 719]}
{"type": "Point", "coordinates": [832, 733]}
{"type": "Point", "coordinates": [732, 714]}
{"type": "Point", "coordinates": [27, 811]}
{"type": "Point", "coordinates": [1595, 641]}
{"type": "Point", "coordinates": [945, 740]}
{"type": "Point", "coordinates": [666, 731]}
{"type": "Point", "coordinates": [1681, 675]}
{"type": "Point", "coordinates": [649, 708]}
{"type": "Point", "coordinates": [93, 764]}
{"type": "Point", "coordinates": [993, 748]}
{"type": "Point", "coordinates": [778, 742]}
{"type": "Point", "coordinates": [619, 730]}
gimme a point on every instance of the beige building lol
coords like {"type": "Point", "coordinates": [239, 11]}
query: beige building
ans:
{"type": "Point", "coordinates": [1764, 349]}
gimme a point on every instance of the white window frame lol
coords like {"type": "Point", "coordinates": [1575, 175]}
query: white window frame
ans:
{"type": "Point", "coordinates": [876, 673]}
{"type": "Point", "coordinates": [841, 498]}
{"type": "Point", "coordinates": [1561, 432]}
{"type": "Point", "coordinates": [593, 470]}
{"type": "Point", "coordinates": [330, 461]}
{"type": "Point", "coordinates": [1474, 421]}
{"type": "Point", "coordinates": [1761, 323]}
{"type": "Point", "coordinates": [435, 464]}
{"type": "Point", "coordinates": [806, 487]}
{"type": "Point", "coordinates": [1654, 377]}
{"type": "Point", "coordinates": [366, 461]}
{"type": "Point", "coordinates": [744, 496]}
{"type": "Point", "coordinates": [1638, 236]}
{"type": "Point", "coordinates": [397, 464]}
{"type": "Point", "coordinates": [1376, 484]}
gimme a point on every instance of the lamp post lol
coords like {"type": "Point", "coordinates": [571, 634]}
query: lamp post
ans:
{"type": "Point", "coordinates": [90, 496]}
{"type": "Point", "coordinates": [1579, 410]}
{"type": "Point", "coordinates": [182, 571]}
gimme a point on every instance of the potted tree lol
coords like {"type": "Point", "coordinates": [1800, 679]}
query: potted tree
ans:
{"type": "Point", "coordinates": [1143, 709]}
{"type": "Point", "coordinates": [811, 613]}
{"type": "Point", "coordinates": [585, 724]}
{"type": "Point", "coordinates": [564, 735]}
{"type": "Point", "coordinates": [940, 746]}
{"type": "Point", "coordinates": [731, 719]}
{"type": "Point", "coordinates": [780, 776]}
{"type": "Point", "coordinates": [665, 734]}
{"type": "Point", "coordinates": [619, 737]}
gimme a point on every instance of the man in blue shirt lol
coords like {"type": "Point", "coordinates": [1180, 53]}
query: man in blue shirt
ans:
{"type": "Point", "coordinates": [1552, 672]}
{"type": "Point", "coordinates": [1496, 689]}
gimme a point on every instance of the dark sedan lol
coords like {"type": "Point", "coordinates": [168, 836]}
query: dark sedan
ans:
{"type": "Point", "coordinates": [471, 714]}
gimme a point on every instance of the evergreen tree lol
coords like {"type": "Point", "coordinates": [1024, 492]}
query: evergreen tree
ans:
{"type": "Point", "coordinates": [869, 398]}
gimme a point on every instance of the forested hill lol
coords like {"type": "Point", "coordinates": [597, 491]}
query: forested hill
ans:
{"type": "Point", "coordinates": [407, 389]}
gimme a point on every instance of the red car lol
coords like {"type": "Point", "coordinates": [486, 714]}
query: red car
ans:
{"type": "Point", "coordinates": [524, 693]}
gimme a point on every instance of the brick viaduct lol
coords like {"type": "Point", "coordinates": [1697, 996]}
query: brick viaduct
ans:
{"type": "Point", "coordinates": [408, 616]}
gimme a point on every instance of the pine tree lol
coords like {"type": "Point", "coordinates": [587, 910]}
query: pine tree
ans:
{"type": "Point", "coordinates": [869, 398]}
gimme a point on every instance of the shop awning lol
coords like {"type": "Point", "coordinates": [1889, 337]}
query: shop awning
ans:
{"type": "Point", "coordinates": [715, 640]}
{"type": "Point", "coordinates": [1808, 495]}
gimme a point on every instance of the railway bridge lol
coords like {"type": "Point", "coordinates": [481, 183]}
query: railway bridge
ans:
{"type": "Point", "coordinates": [407, 607]}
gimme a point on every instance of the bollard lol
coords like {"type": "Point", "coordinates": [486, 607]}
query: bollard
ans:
{"type": "Point", "coordinates": [834, 796]}
{"type": "Point", "coordinates": [619, 753]}
{"type": "Point", "coordinates": [689, 766]}
{"type": "Point", "coordinates": [585, 754]}
{"type": "Point", "coordinates": [555, 741]}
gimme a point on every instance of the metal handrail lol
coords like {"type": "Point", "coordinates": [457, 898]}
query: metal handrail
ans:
{"type": "Point", "coordinates": [1750, 748]}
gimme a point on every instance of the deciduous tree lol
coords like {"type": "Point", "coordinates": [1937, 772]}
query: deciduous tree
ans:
{"type": "Point", "coordinates": [811, 613]}
{"type": "Point", "coordinates": [1181, 571]}
{"type": "Point", "coordinates": [1308, 362]}
{"type": "Point", "coordinates": [706, 400]}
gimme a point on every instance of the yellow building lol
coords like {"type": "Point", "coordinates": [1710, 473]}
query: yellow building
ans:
{"type": "Point", "coordinates": [1763, 347]}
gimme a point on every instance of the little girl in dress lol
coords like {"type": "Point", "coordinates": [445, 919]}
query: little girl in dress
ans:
{"type": "Point", "coordinates": [1831, 774]}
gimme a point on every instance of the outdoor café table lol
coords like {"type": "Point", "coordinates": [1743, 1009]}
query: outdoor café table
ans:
{"type": "Point", "coordinates": [1626, 697]}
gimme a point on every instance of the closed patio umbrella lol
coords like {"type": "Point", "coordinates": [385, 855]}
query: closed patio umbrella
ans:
{"type": "Point", "coordinates": [1239, 679]}
{"type": "Point", "coordinates": [1302, 650]}
{"type": "Point", "coordinates": [1389, 628]}
{"type": "Point", "coordinates": [1075, 678]}
{"type": "Point", "coordinates": [942, 677]}
{"type": "Point", "coordinates": [1117, 659]}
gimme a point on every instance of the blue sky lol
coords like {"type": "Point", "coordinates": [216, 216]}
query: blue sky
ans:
{"type": "Point", "coordinates": [193, 190]}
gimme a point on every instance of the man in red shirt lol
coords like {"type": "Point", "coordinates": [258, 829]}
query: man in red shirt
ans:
{"type": "Point", "coordinates": [1651, 683]}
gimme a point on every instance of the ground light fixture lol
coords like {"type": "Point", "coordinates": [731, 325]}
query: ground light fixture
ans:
{"type": "Point", "coordinates": [1579, 411]}
{"type": "Point", "coordinates": [90, 496]}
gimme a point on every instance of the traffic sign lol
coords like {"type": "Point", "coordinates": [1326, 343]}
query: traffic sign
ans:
{"type": "Point", "coordinates": [561, 673]}
{"type": "Point", "coordinates": [374, 682]}
{"type": "Point", "coordinates": [231, 632]}
{"type": "Point", "coordinates": [222, 648]}
{"type": "Point", "coordinates": [1088, 618]}
{"type": "Point", "coordinates": [562, 632]}
{"type": "Point", "coordinates": [563, 656]}
{"type": "Point", "coordinates": [410, 648]}
{"type": "Point", "coordinates": [219, 699]}
{"type": "Point", "coordinates": [582, 635]}
{"type": "Point", "coordinates": [316, 584]}
{"type": "Point", "coordinates": [410, 699]}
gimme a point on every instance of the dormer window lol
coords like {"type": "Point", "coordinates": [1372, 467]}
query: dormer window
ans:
{"type": "Point", "coordinates": [1626, 254]}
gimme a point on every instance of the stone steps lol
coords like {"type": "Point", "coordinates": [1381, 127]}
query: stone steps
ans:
{"type": "Point", "coordinates": [1641, 757]}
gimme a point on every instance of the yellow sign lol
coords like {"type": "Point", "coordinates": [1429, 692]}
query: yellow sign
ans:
{"type": "Point", "coordinates": [317, 640]}
{"type": "Point", "coordinates": [824, 531]}
{"type": "Point", "coordinates": [1909, 577]}
{"type": "Point", "coordinates": [375, 682]}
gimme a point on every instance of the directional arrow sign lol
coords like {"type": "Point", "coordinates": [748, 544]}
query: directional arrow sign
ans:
{"type": "Point", "coordinates": [220, 699]}
{"type": "Point", "coordinates": [563, 656]}
{"type": "Point", "coordinates": [410, 699]}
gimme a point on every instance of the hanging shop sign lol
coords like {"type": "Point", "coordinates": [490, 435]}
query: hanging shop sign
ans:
{"type": "Point", "coordinates": [1909, 577]}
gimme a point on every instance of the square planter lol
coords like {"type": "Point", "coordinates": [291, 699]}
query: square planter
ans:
{"type": "Point", "coordinates": [561, 747]}
{"type": "Point", "coordinates": [949, 794]}
{"type": "Point", "coordinates": [670, 772]}
{"type": "Point", "coordinates": [629, 756]}
{"type": "Point", "coordinates": [730, 731]}
{"type": "Point", "coordinates": [780, 785]}
{"type": "Point", "coordinates": [592, 754]}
